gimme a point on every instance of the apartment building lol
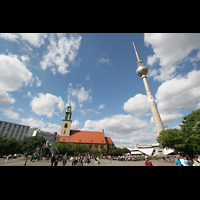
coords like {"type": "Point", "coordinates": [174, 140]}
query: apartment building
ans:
{"type": "Point", "coordinates": [17, 131]}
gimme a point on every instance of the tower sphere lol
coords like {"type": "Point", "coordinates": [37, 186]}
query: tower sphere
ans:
{"type": "Point", "coordinates": [141, 70]}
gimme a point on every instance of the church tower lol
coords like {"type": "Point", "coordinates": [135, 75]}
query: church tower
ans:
{"type": "Point", "coordinates": [66, 122]}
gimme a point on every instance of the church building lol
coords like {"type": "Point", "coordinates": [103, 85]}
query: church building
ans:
{"type": "Point", "coordinates": [91, 138]}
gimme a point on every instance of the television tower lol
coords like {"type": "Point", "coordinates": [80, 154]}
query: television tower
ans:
{"type": "Point", "coordinates": [142, 72]}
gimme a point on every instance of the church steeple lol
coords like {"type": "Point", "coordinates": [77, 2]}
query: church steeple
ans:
{"type": "Point", "coordinates": [66, 122]}
{"type": "Point", "coordinates": [69, 106]}
{"type": "Point", "coordinates": [68, 112]}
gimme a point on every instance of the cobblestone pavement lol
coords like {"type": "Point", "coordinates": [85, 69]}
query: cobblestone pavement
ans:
{"type": "Point", "coordinates": [14, 162]}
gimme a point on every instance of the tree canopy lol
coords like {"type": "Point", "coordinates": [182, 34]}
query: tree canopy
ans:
{"type": "Point", "coordinates": [9, 145]}
{"type": "Point", "coordinates": [71, 149]}
{"type": "Point", "coordinates": [29, 144]}
{"type": "Point", "coordinates": [187, 139]}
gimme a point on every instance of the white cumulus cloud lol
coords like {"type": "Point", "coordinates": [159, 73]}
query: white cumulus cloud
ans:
{"type": "Point", "coordinates": [5, 98]}
{"type": "Point", "coordinates": [177, 93]}
{"type": "Point", "coordinates": [75, 125]}
{"type": "Point", "coordinates": [10, 114]}
{"type": "Point", "coordinates": [35, 39]}
{"type": "Point", "coordinates": [80, 94]}
{"type": "Point", "coordinates": [102, 106]}
{"type": "Point", "coordinates": [137, 105]}
{"type": "Point", "coordinates": [13, 76]}
{"type": "Point", "coordinates": [124, 130]}
{"type": "Point", "coordinates": [39, 123]}
{"type": "Point", "coordinates": [117, 125]}
{"type": "Point", "coordinates": [13, 73]}
{"type": "Point", "coordinates": [61, 52]}
{"type": "Point", "coordinates": [38, 82]}
{"type": "Point", "coordinates": [104, 60]}
{"type": "Point", "coordinates": [45, 104]}
{"type": "Point", "coordinates": [169, 48]}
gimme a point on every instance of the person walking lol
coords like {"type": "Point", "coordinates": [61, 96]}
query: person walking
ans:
{"type": "Point", "coordinates": [182, 161]}
{"type": "Point", "coordinates": [190, 162]}
{"type": "Point", "coordinates": [147, 162]}
{"type": "Point", "coordinates": [56, 161]}
{"type": "Point", "coordinates": [87, 161]}
{"type": "Point", "coordinates": [81, 161]}
{"type": "Point", "coordinates": [196, 162]}
{"type": "Point", "coordinates": [32, 158]}
{"type": "Point", "coordinates": [186, 161]}
{"type": "Point", "coordinates": [73, 161]}
{"type": "Point", "coordinates": [98, 162]}
{"type": "Point", "coordinates": [53, 159]}
{"type": "Point", "coordinates": [177, 161]}
{"type": "Point", "coordinates": [8, 157]}
{"type": "Point", "coordinates": [38, 157]}
{"type": "Point", "coordinates": [64, 160]}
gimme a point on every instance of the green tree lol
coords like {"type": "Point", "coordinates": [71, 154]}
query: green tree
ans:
{"type": "Point", "coordinates": [61, 146]}
{"type": "Point", "coordinates": [125, 150]}
{"type": "Point", "coordinates": [8, 145]}
{"type": "Point", "coordinates": [103, 151]}
{"type": "Point", "coordinates": [75, 149]}
{"type": "Point", "coordinates": [70, 148]}
{"type": "Point", "coordinates": [173, 138]}
{"type": "Point", "coordinates": [30, 144]}
{"type": "Point", "coordinates": [111, 151]}
{"type": "Point", "coordinates": [117, 152]}
{"type": "Point", "coordinates": [187, 139]}
{"type": "Point", "coordinates": [96, 152]}
{"type": "Point", "coordinates": [84, 148]}
{"type": "Point", "coordinates": [191, 122]}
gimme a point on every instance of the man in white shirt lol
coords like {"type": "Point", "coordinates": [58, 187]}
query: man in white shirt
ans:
{"type": "Point", "coordinates": [182, 161]}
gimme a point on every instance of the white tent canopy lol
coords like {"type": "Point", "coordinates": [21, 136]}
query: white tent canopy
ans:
{"type": "Point", "coordinates": [168, 151]}
{"type": "Point", "coordinates": [147, 151]}
{"type": "Point", "coordinates": [136, 153]}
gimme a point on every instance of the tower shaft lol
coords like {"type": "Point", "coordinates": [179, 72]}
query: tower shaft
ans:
{"type": "Point", "coordinates": [142, 71]}
{"type": "Point", "coordinates": [155, 114]}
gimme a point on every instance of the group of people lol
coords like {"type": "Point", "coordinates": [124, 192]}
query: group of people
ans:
{"type": "Point", "coordinates": [76, 161]}
{"type": "Point", "coordinates": [79, 160]}
{"type": "Point", "coordinates": [180, 161]}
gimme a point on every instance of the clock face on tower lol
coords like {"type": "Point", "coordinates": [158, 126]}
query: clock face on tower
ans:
{"type": "Point", "coordinates": [66, 125]}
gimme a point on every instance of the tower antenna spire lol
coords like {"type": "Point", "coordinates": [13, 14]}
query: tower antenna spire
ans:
{"type": "Point", "coordinates": [135, 51]}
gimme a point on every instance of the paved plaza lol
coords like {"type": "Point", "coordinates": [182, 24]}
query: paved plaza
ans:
{"type": "Point", "coordinates": [14, 162]}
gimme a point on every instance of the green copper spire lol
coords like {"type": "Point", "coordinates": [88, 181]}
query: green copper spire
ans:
{"type": "Point", "coordinates": [69, 106]}
{"type": "Point", "coordinates": [68, 112]}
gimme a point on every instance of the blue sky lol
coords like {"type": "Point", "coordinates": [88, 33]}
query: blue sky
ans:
{"type": "Point", "coordinates": [41, 72]}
